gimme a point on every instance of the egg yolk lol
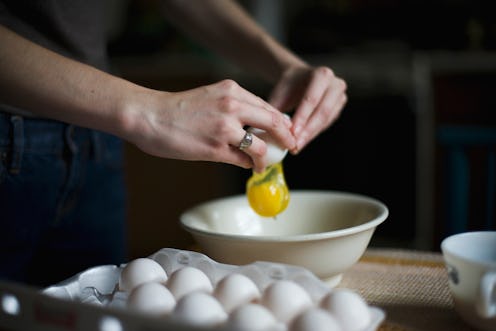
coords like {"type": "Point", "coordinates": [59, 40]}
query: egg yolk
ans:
{"type": "Point", "coordinates": [267, 192]}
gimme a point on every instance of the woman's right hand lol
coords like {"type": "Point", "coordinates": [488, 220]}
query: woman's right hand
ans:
{"type": "Point", "coordinates": [206, 123]}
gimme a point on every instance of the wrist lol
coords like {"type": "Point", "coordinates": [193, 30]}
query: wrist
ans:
{"type": "Point", "coordinates": [131, 121]}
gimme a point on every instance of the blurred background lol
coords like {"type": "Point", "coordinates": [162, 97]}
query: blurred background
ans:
{"type": "Point", "coordinates": [418, 132]}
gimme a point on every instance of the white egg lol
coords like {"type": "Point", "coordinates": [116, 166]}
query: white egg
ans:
{"type": "Point", "coordinates": [140, 271]}
{"type": "Point", "coordinates": [348, 307]}
{"type": "Point", "coordinates": [314, 319]}
{"type": "Point", "coordinates": [275, 153]}
{"type": "Point", "coordinates": [286, 299]}
{"type": "Point", "coordinates": [200, 308]}
{"type": "Point", "coordinates": [188, 279]}
{"type": "Point", "coordinates": [234, 290]}
{"type": "Point", "coordinates": [251, 317]}
{"type": "Point", "coordinates": [151, 298]}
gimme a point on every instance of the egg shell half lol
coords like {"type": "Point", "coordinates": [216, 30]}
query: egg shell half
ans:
{"type": "Point", "coordinates": [275, 153]}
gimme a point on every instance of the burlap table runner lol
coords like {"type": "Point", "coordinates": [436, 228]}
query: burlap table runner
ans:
{"type": "Point", "coordinates": [410, 286]}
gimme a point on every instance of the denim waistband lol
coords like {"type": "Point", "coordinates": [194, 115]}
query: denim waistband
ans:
{"type": "Point", "coordinates": [37, 135]}
{"type": "Point", "coordinates": [19, 135]}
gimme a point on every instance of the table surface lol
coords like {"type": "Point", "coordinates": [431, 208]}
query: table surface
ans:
{"type": "Point", "coordinates": [410, 286]}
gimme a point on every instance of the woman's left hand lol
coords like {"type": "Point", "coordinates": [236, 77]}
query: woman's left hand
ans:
{"type": "Point", "coordinates": [316, 94]}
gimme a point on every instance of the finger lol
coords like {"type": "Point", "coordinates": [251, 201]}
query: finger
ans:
{"type": "Point", "coordinates": [328, 109]}
{"type": "Point", "coordinates": [311, 98]}
{"type": "Point", "coordinates": [256, 150]}
{"type": "Point", "coordinates": [274, 123]}
{"type": "Point", "coordinates": [233, 89]}
{"type": "Point", "coordinates": [255, 112]}
{"type": "Point", "coordinates": [325, 114]}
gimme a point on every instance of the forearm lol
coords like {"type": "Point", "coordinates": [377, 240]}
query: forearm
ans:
{"type": "Point", "coordinates": [224, 27]}
{"type": "Point", "coordinates": [53, 86]}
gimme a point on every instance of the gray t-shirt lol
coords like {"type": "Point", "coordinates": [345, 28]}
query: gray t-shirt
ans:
{"type": "Point", "coordinates": [73, 28]}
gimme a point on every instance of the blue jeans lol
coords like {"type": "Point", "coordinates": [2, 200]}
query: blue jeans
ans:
{"type": "Point", "coordinates": [62, 200]}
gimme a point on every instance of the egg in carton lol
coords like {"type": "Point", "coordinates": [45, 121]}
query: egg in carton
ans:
{"type": "Point", "coordinates": [187, 287]}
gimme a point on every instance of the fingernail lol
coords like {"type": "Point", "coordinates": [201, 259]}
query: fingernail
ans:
{"type": "Point", "coordinates": [295, 148]}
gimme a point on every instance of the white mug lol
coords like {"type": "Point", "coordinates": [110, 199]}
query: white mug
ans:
{"type": "Point", "coordinates": [470, 259]}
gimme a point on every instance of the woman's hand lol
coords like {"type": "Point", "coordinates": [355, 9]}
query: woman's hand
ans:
{"type": "Point", "coordinates": [316, 94]}
{"type": "Point", "coordinates": [207, 123]}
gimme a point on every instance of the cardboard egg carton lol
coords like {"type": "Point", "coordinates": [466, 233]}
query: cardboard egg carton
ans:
{"type": "Point", "coordinates": [83, 302]}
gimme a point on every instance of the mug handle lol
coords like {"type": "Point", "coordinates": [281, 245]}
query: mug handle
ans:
{"type": "Point", "coordinates": [486, 305]}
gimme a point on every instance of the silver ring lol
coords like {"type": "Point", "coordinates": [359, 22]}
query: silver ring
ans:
{"type": "Point", "coordinates": [246, 141]}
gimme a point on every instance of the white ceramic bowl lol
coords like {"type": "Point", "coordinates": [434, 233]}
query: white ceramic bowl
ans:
{"type": "Point", "coordinates": [323, 231]}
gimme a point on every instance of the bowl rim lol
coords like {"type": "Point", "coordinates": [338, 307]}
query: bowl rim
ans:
{"type": "Point", "coordinates": [383, 214]}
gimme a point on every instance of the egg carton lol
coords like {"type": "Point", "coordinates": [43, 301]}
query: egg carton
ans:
{"type": "Point", "coordinates": [90, 300]}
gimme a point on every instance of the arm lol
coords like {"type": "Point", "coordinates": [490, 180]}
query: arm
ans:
{"type": "Point", "coordinates": [316, 94]}
{"type": "Point", "coordinates": [53, 86]}
{"type": "Point", "coordinates": [199, 124]}
{"type": "Point", "coordinates": [225, 27]}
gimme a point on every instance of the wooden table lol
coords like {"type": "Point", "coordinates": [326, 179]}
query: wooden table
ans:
{"type": "Point", "coordinates": [410, 286]}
